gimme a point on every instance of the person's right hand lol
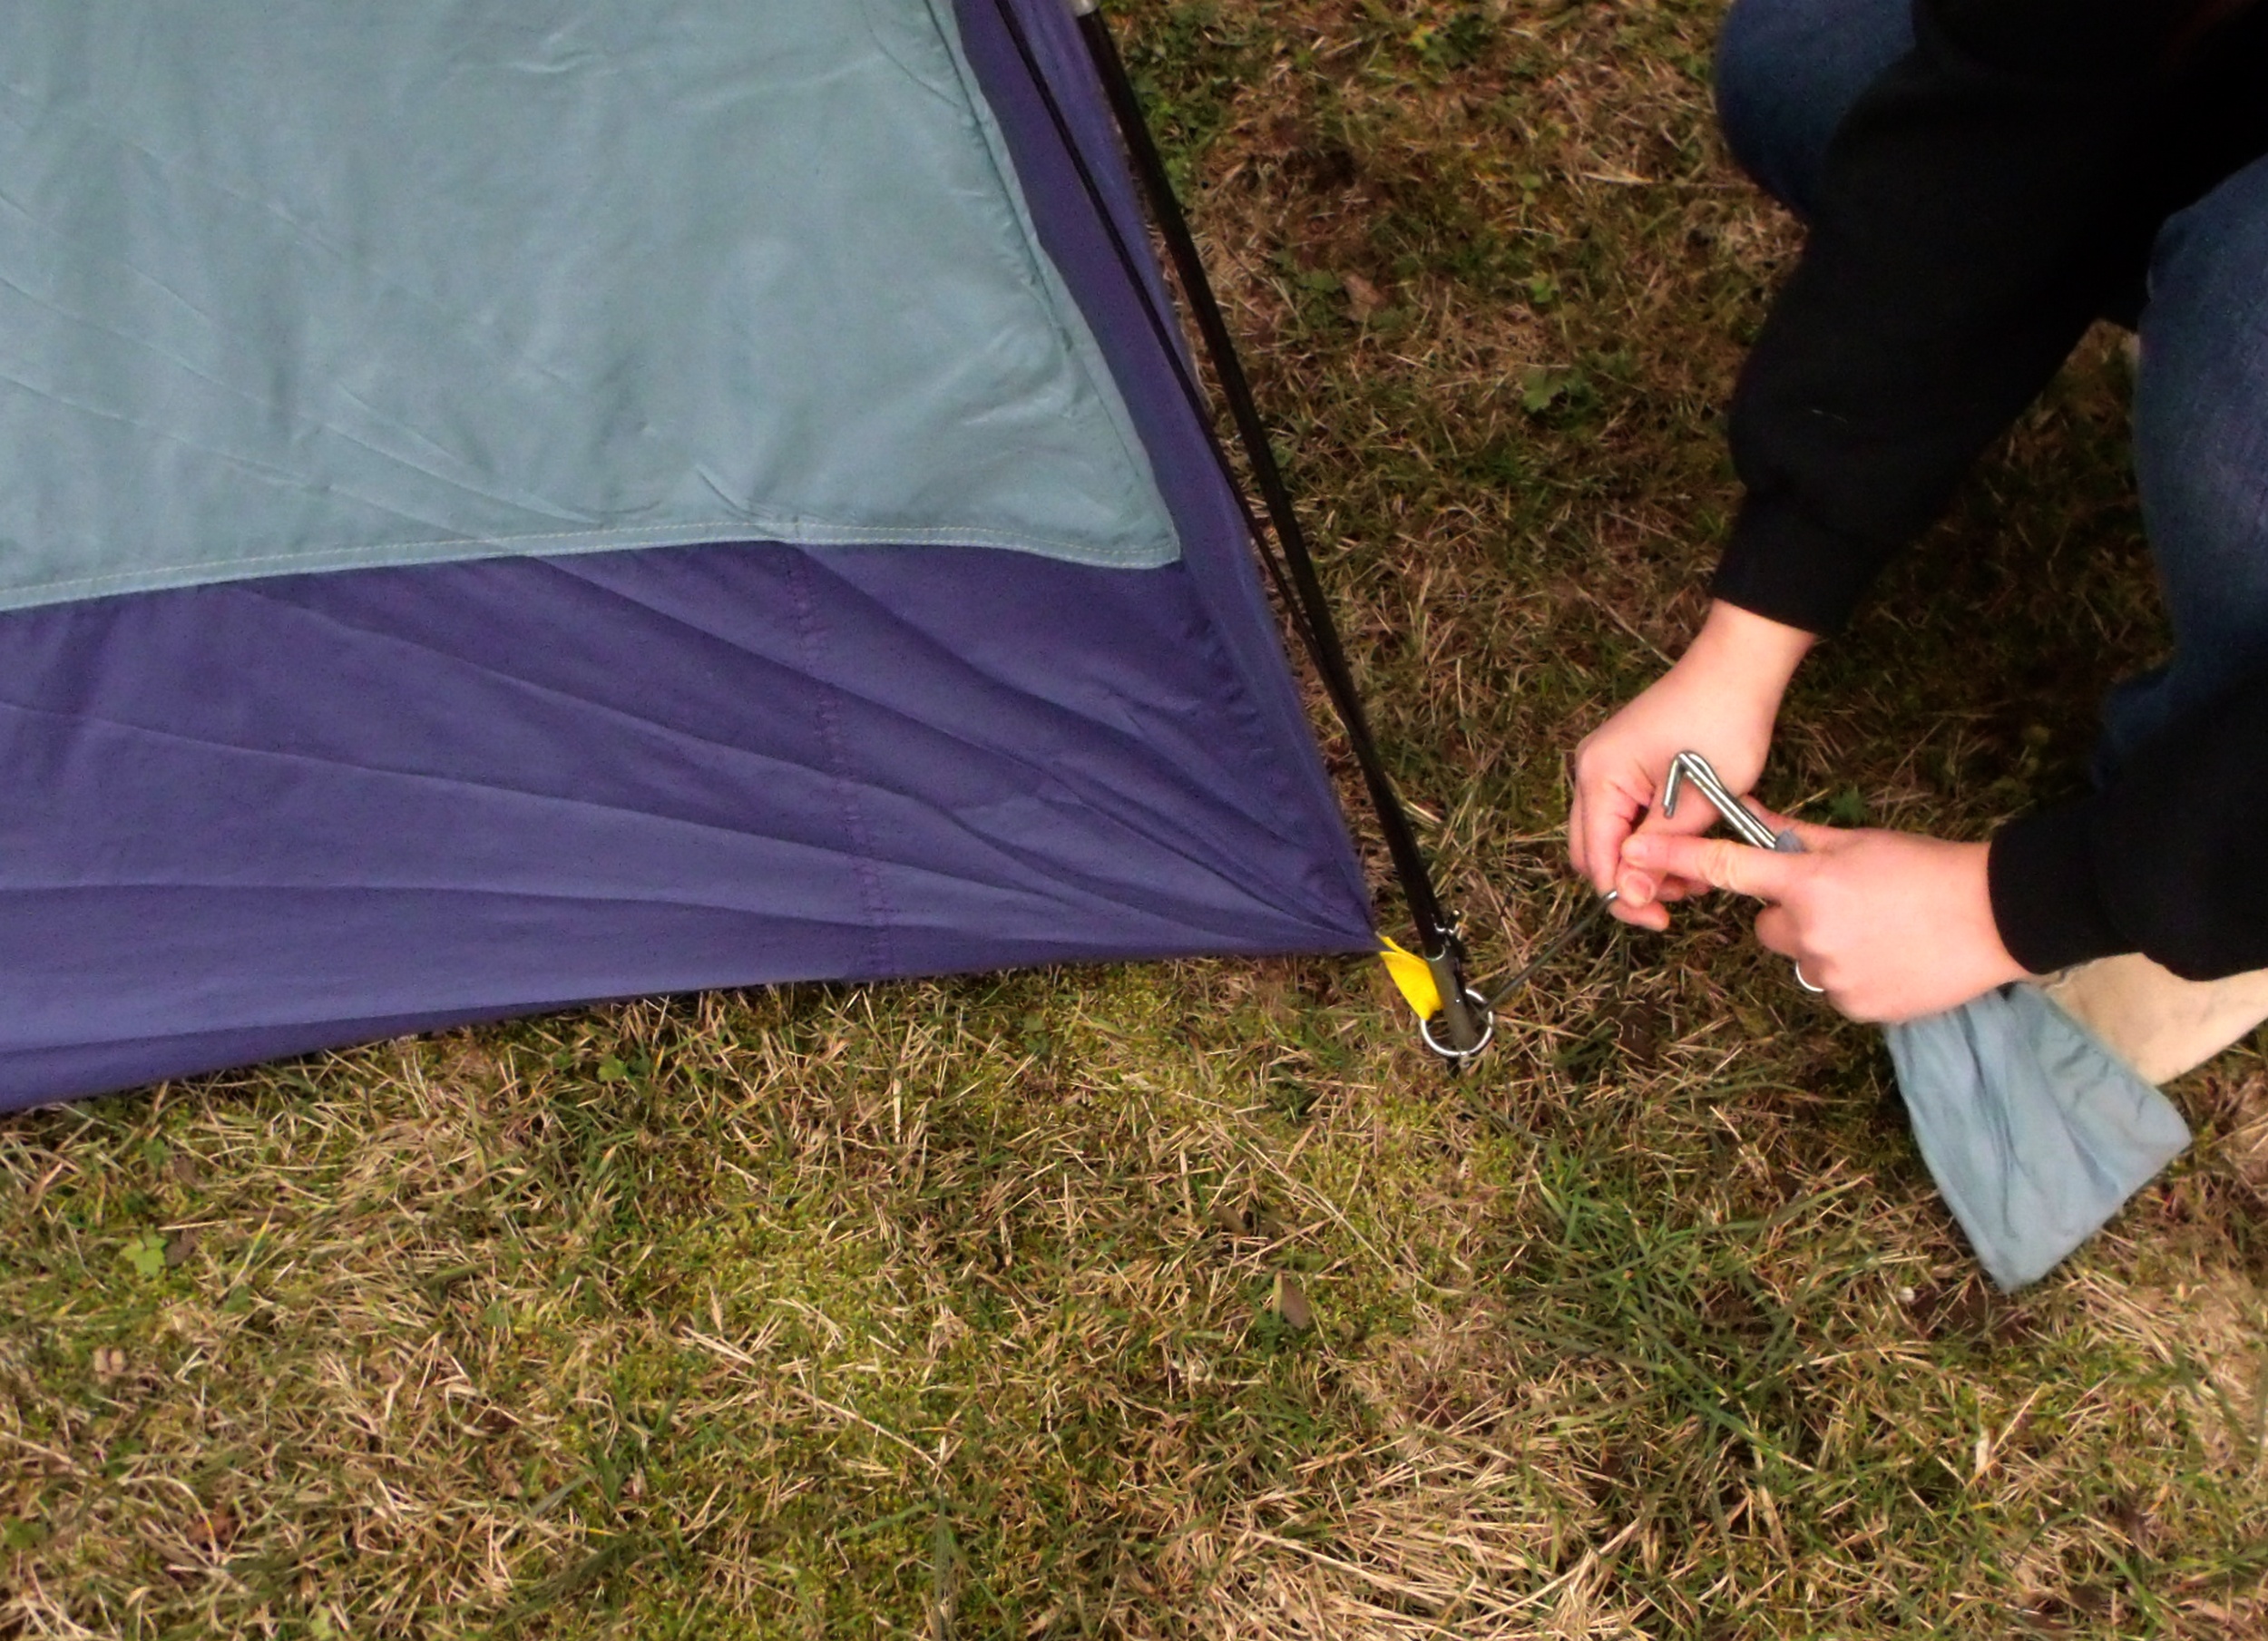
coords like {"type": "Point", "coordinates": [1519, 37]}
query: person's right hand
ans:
{"type": "Point", "coordinates": [1720, 700]}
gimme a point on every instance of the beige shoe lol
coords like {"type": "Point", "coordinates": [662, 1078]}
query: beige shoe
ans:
{"type": "Point", "coordinates": [2157, 1023]}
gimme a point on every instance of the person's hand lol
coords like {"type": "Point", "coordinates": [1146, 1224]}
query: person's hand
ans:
{"type": "Point", "coordinates": [1891, 925]}
{"type": "Point", "coordinates": [1720, 700]}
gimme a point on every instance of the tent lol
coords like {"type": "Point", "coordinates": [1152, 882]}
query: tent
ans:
{"type": "Point", "coordinates": [516, 502]}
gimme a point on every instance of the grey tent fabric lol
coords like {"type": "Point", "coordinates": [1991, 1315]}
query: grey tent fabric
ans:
{"type": "Point", "coordinates": [291, 285]}
{"type": "Point", "coordinates": [2035, 1132]}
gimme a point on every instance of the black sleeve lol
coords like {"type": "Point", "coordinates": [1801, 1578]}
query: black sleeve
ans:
{"type": "Point", "coordinates": [1979, 208]}
{"type": "Point", "coordinates": [1984, 202]}
{"type": "Point", "coordinates": [2165, 860]}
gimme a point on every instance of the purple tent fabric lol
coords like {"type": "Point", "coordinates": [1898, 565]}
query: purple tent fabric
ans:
{"type": "Point", "coordinates": [262, 818]}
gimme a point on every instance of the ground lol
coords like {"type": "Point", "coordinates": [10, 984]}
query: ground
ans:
{"type": "Point", "coordinates": [1193, 1300]}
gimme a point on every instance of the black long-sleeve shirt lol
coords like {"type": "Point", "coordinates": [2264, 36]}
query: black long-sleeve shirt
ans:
{"type": "Point", "coordinates": [1989, 196]}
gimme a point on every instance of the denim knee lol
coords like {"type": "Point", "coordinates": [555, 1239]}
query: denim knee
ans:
{"type": "Point", "coordinates": [2201, 450]}
{"type": "Point", "coordinates": [1787, 71]}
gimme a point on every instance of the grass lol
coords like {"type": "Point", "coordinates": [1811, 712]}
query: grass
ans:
{"type": "Point", "coordinates": [970, 1308]}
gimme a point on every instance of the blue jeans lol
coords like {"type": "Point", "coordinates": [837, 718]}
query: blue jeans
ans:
{"type": "Point", "coordinates": [1786, 72]}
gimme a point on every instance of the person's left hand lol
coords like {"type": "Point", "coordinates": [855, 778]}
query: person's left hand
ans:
{"type": "Point", "coordinates": [1891, 925]}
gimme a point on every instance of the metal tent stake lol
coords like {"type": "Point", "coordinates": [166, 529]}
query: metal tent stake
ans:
{"type": "Point", "coordinates": [1691, 769]}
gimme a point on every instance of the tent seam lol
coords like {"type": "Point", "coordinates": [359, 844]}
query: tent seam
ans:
{"type": "Point", "coordinates": [1081, 346]}
{"type": "Point", "coordinates": [872, 896]}
{"type": "Point", "coordinates": [821, 535]}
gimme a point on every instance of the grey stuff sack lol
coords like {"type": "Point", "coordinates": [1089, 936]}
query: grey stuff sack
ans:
{"type": "Point", "coordinates": [2035, 1132]}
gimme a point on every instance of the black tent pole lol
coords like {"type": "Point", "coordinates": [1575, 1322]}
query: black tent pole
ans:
{"type": "Point", "coordinates": [1464, 1026]}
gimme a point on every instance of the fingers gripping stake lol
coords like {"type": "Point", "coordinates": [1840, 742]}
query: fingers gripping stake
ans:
{"type": "Point", "coordinates": [1691, 769]}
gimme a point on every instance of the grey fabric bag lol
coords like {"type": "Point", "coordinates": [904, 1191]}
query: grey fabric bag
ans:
{"type": "Point", "coordinates": [2034, 1131]}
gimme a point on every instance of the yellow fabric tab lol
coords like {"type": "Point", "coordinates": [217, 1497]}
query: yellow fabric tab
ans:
{"type": "Point", "coordinates": [1414, 977]}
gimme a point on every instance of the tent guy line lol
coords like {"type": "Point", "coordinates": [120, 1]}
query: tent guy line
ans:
{"type": "Point", "coordinates": [1456, 1026]}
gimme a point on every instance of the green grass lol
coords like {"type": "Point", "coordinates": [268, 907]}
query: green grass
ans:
{"type": "Point", "coordinates": [958, 1309]}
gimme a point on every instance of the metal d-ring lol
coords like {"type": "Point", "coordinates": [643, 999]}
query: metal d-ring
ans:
{"type": "Point", "coordinates": [1479, 1005]}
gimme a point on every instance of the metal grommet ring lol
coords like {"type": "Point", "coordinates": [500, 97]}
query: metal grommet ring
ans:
{"type": "Point", "coordinates": [1802, 980]}
{"type": "Point", "coordinates": [1488, 1030]}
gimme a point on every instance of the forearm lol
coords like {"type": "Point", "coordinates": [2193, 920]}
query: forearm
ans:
{"type": "Point", "coordinates": [1751, 654]}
